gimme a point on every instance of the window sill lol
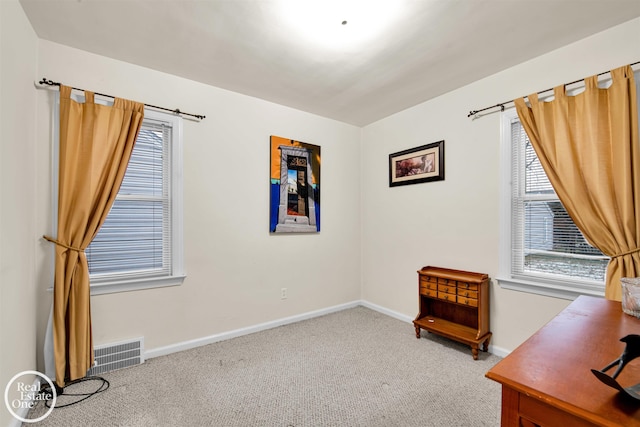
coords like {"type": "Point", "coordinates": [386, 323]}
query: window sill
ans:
{"type": "Point", "coordinates": [114, 287]}
{"type": "Point", "coordinates": [555, 289]}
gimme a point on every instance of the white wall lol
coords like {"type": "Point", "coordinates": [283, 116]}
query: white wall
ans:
{"type": "Point", "coordinates": [18, 50]}
{"type": "Point", "coordinates": [235, 268]}
{"type": "Point", "coordinates": [455, 223]}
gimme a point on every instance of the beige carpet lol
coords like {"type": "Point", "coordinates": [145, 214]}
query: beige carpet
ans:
{"type": "Point", "coordinates": [356, 367]}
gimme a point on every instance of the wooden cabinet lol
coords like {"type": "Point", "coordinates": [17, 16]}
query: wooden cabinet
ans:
{"type": "Point", "coordinates": [454, 304]}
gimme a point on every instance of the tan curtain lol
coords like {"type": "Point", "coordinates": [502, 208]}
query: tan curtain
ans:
{"type": "Point", "coordinates": [588, 146]}
{"type": "Point", "coordinates": [95, 146]}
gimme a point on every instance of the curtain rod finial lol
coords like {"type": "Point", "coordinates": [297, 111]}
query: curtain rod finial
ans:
{"type": "Point", "coordinates": [48, 82]}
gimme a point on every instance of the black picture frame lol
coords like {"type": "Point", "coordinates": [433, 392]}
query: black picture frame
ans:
{"type": "Point", "coordinates": [416, 165]}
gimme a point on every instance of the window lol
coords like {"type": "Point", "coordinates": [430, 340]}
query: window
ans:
{"type": "Point", "coordinates": [140, 244]}
{"type": "Point", "coordinates": [542, 250]}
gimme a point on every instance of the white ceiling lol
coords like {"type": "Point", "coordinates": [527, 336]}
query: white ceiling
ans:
{"type": "Point", "coordinates": [431, 47]}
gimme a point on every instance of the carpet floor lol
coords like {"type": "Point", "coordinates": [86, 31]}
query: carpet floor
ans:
{"type": "Point", "coordinates": [356, 367]}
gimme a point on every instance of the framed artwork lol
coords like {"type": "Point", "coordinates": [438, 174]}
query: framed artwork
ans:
{"type": "Point", "coordinates": [415, 165]}
{"type": "Point", "coordinates": [295, 187]}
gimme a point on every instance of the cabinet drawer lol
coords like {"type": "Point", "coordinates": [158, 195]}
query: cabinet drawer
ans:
{"type": "Point", "coordinates": [468, 301]}
{"type": "Point", "coordinates": [429, 285]}
{"type": "Point", "coordinates": [447, 289]}
{"type": "Point", "coordinates": [431, 279]}
{"type": "Point", "coordinates": [442, 281]}
{"type": "Point", "coordinates": [428, 292]}
{"type": "Point", "coordinates": [467, 293]}
{"type": "Point", "coordinates": [446, 296]}
{"type": "Point", "coordinates": [469, 286]}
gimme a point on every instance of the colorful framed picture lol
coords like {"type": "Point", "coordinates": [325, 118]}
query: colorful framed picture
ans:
{"type": "Point", "coordinates": [416, 165]}
{"type": "Point", "coordinates": [295, 187]}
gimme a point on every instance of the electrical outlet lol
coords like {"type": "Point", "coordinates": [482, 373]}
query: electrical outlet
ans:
{"type": "Point", "coordinates": [283, 293]}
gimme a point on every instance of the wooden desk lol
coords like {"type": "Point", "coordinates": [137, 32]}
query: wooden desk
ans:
{"type": "Point", "coordinates": [547, 381]}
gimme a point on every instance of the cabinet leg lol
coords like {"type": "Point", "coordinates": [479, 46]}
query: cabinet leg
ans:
{"type": "Point", "coordinates": [417, 332]}
{"type": "Point", "coordinates": [474, 352]}
{"type": "Point", "coordinates": [485, 345]}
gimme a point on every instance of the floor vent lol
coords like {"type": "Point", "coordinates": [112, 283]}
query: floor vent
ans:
{"type": "Point", "coordinates": [117, 356]}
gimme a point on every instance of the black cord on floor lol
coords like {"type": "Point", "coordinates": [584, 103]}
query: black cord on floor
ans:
{"type": "Point", "coordinates": [84, 396]}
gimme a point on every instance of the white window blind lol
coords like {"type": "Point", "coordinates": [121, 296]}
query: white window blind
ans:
{"type": "Point", "coordinates": [135, 239]}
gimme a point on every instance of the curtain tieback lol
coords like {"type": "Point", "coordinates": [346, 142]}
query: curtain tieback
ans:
{"type": "Point", "coordinates": [52, 240]}
{"type": "Point", "coordinates": [626, 253]}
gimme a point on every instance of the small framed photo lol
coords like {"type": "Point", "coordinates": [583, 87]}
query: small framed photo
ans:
{"type": "Point", "coordinates": [416, 165]}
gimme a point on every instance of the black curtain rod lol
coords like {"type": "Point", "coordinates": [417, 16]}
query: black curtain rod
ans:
{"type": "Point", "coordinates": [45, 81]}
{"type": "Point", "coordinates": [502, 104]}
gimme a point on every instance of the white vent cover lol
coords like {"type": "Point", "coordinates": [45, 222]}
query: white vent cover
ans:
{"type": "Point", "coordinates": [119, 355]}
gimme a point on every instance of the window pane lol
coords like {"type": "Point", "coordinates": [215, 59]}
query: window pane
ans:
{"type": "Point", "coordinates": [136, 236]}
{"type": "Point", "coordinates": [535, 179]}
{"type": "Point", "coordinates": [130, 239]}
{"type": "Point", "coordinates": [554, 245]}
{"type": "Point", "coordinates": [144, 174]}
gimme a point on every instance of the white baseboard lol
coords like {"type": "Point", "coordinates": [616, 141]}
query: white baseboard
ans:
{"type": "Point", "coordinates": [186, 345]}
{"type": "Point", "coordinates": [498, 351]}
{"type": "Point", "coordinates": [22, 412]}
{"type": "Point", "coordinates": [14, 422]}
{"type": "Point", "coordinates": [386, 311]}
